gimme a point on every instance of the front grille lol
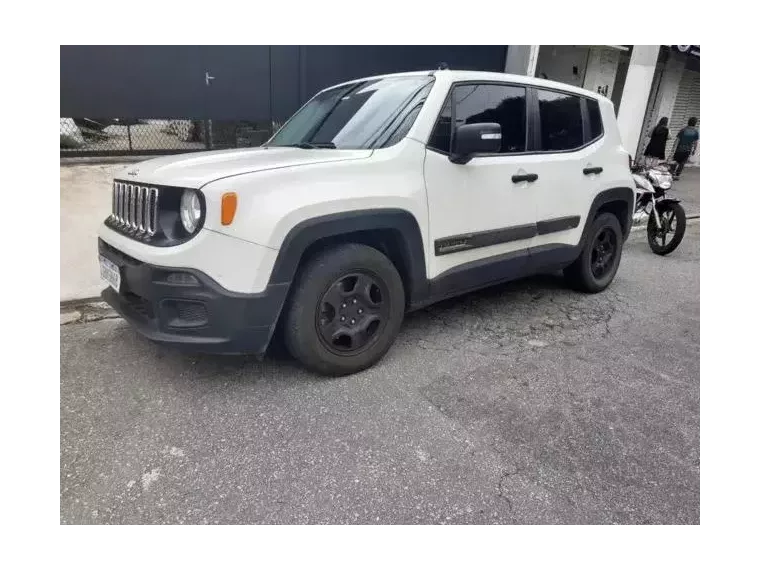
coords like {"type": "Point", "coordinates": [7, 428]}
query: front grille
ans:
{"type": "Point", "coordinates": [135, 209]}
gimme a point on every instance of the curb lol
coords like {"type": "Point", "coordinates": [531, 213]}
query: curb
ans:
{"type": "Point", "coordinates": [74, 303]}
{"type": "Point", "coordinates": [86, 311]}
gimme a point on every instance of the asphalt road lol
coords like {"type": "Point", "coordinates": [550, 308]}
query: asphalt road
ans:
{"type": "Point", "coordinates": [524, 403]}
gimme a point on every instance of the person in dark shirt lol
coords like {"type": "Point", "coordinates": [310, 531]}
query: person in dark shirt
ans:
{"type": "Point", "coordinates": [655, 150]}
{"type": "Point", "coordinates": [687, 137]}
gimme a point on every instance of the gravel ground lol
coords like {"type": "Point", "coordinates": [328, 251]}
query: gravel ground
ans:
{"type": "Point", "coordinates": [525, 403]}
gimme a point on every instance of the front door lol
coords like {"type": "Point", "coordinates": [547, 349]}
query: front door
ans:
{"type": "Point", "coordinates": [482, 223]}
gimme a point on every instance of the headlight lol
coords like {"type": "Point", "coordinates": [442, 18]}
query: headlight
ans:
{"type": "Point", "coordinates": [190, 210]}
{"type": "Point", "coordinates": [660, 179]}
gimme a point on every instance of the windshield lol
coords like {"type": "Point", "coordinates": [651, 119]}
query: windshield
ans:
{"type": "Point", "coordinates": [359, 115]}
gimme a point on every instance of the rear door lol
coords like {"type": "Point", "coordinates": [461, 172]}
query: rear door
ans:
{"type": "Point", "coordinates": [569, 150]}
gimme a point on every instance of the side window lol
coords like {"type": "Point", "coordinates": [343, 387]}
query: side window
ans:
{"type": "Point", "coordinates": [485, 103]}
{"type": "Point", "coordinates": [561, 121]}
{"type": "Point", "coordinates": [594, 118]}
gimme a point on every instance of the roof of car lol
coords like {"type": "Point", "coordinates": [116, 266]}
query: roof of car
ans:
{"type": "Point", "coordinates": [464, 75]}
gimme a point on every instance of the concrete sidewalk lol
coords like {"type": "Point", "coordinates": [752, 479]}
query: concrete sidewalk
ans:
{"type": "Point", "coordinates": [687, 190]}
{"type": "Point", "coordinates": [86, 201]}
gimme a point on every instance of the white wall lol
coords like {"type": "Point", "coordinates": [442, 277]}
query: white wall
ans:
{"type": "Point", "coordinates": [633, 103]}
{"type": "Point", "coordinates": [521, 60]}
{"type": "Point", "coordinates": [558, 63]}
{"type": "Point", "coordinates": [601, 70]}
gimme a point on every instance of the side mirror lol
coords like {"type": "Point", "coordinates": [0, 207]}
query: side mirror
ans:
{"type": "Point", "coordinates": [474, 139]}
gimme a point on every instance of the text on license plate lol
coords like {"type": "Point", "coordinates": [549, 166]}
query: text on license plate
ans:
{"type": "Point", "coordinates": [109, 272]}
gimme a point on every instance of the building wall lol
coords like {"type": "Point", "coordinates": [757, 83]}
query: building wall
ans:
{"type": "Point", "coordinates": [601, 70]}
{"type": "Point", "coordinates": [645, 83]}
{"type": "Point", "coordinates": [674, 94]}
{"type": "Point", "coordinates": [566, 64]}
{"type": "Point", "coordinates": [671, 78]}
{"type": "Point", "coordinates": [593, 68]}
{"type": "Point", "coordinates": [253, 83]}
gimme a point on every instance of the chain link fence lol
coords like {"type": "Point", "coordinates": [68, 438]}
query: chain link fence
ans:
{"type": "Point", "coordinates": [114, 137]}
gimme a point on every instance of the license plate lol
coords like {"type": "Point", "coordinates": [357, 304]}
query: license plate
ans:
{"type": "Point", "coordinates": [109, 272]}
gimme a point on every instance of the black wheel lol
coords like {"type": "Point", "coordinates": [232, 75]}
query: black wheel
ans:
{"type": "Point", "coordinates": [346, 309]}
{"type": "Point", "coordinates": [672, 228]}
{"type": "Point", "coordinates": [598, 262]}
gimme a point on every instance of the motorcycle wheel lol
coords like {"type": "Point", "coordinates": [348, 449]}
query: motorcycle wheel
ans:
{"type": "Point", "coordinates": [673, 219]}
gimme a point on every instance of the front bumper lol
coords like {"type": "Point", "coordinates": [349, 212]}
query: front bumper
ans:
{"type": "Point", "coordinates": [201, 316]}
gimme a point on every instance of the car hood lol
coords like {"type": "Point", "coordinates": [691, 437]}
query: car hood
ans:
{"type": "Point", "coordinates": [196, 169]}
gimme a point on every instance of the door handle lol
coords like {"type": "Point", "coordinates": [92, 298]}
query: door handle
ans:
{"type": "Point", "coordinates": [592, 170]}
{"type": "Point", "coordinates": [524, 178]}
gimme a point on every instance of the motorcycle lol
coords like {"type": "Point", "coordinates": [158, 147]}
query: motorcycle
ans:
{"type": "Point", "coordinates": [666, 218]}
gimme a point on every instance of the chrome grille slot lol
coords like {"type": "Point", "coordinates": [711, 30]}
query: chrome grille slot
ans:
{"type": "Point", "coordinates": [117, 203]}
{"type": "Point", "coordinates": [140, 217]}
{"type": "Point", "coordinates": [134, 209]}
{"type": "Point", "coordinates": [153, 209]}
{"type": "Point", "coordinates": [123, 206]}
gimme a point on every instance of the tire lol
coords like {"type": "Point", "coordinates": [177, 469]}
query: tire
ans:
{"type": "Point", "coordinates": [585, 273]}
{"type": "Point", "coordinates": [656, 237]}
{"type": "Point", "coordinates": [345, 310]}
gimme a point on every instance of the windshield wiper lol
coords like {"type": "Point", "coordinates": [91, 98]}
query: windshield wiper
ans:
{"type": "Point", "coordinates": [313, 145]}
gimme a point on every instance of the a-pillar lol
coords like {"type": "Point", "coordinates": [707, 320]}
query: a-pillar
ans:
{"type": "Point", "coordinates": [633, 103]}
{"type": "Point", "coordinates": [521, 60]}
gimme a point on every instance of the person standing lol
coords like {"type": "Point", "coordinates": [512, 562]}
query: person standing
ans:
{"type": "Point", "coordinates": [687, 137]}
{"type": "Point", "coordinates": [655, 150]}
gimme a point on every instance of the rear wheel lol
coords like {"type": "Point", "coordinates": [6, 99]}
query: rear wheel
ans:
{"type": "Point", "coordinates": [668, 236]}
{"type": "Point", "coordinates": [598, 262]}
{"type": "Point", "coordinates": [346, 310]}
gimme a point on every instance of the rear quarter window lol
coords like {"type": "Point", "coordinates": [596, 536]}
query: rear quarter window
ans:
{"type": "Point", "coordinates": [594, 118]}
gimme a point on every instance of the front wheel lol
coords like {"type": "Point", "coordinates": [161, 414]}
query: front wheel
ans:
{"type": "Point", "coordinates": [668, 236]}
{"type": "Point", "coordinates": [346, 309]}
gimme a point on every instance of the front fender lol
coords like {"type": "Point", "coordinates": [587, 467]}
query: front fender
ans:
{"type": "Point", "coordinates": [312, 230]}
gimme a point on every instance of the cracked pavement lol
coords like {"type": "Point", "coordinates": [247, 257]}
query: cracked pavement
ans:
{"type": "Point", "coordinates": [524, 403]}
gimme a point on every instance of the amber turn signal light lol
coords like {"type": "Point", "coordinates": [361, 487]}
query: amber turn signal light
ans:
{"type": "Point", "coordinates": [229, 205]}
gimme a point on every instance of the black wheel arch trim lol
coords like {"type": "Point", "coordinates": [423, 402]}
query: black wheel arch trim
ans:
{"type": "Point", "coordinates": [608, 196]}
{"type": "Point", "coordinates": [307, 232]}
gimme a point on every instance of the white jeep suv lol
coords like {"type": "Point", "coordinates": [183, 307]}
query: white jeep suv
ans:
{"type": "Point", "coordinates": [379, 196]}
